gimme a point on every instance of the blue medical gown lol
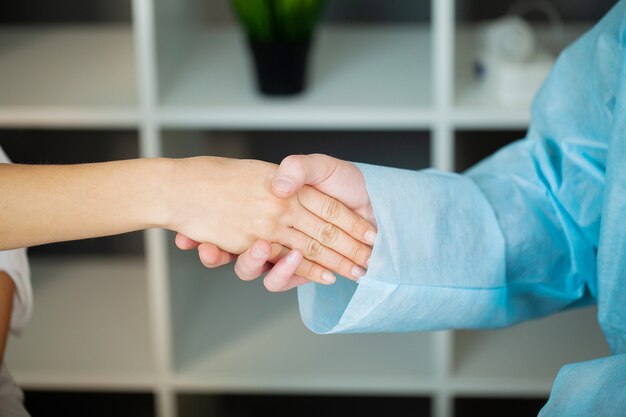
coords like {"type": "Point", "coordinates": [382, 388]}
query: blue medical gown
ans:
{"type": "Point", "coordinates": [537, 228]}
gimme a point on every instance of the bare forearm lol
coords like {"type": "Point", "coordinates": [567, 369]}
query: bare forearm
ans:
{"type": "Point", "coordinates": [43, 204]}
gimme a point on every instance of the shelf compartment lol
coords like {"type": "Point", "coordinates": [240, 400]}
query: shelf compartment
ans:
{"type": "Point", "coordinates": [90, 327]}
{"type": "Point", "coordinates": [376, 76]}
{"type": "Point", "coordinates": [70, 11]}
{"type": "Point", "coordinates": [79, 404]}
{"type": "Point", "coordinates": [497, 407]}
{"type": "Point", "coordinates": [303, 406]}
{"type": "Point", "coordinates": [472, 147]}
{"type": "Point", "coordinates": [234, 336]}
{"type": "Point", "coordinates": [68, 75]}
{"type": "Point", "coordinates": [526, 357]}
{"type": "Point", "coordinates": [478, 107]}
{"type": "Point", "coordinates": [400, 149]}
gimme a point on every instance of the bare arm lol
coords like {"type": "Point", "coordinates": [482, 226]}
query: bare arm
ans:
{"type": "Point", "coordinates": [223, 201]}
{"type": "Point", "coordinates": [43, 204]}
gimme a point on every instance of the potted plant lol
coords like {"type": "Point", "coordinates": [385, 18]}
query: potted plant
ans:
{"type": "Point", "coordinates": [279, 34]}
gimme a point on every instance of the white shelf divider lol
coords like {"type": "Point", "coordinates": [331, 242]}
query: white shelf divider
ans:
{"type": "Point", "coordinates": [442, 157]}
{"type": "Point", "coordinates": [144, 21]}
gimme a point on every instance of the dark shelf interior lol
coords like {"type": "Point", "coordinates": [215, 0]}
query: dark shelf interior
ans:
{"type": "Point", "coordinates": [93, 404]}
{"type": "Point", "coordinates": [66, 11]}
{"type": "Point", "coordinates": [484, 10]}
{"type": "Point", "coordinates": [301, 406]}
{"type": "Point", "coordinates": [401, 149]}
{"type": "Point", "coordinates": [498, 407]}
{"type": "Point", "coordinates": [472, 147]}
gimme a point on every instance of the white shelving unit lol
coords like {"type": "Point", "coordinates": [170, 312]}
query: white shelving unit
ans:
{"type": "Point", "coordinates": [163, 324]}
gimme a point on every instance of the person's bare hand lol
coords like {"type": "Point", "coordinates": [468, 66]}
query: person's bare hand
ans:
{"type": "Point", "coordinates": [336, 178]}
{"type": "Point", "coordinates": [241, 209]}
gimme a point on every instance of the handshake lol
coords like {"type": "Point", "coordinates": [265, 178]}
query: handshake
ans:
{"type": "Point", "coordinates": [302, 221]}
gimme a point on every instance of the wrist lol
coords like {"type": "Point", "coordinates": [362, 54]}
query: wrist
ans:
{"type": "Point", "coordinates": [159, 206]}
{"type": "Point", "coordinates": [180, 183]}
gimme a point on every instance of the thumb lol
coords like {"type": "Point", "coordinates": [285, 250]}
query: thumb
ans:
{"type": "Point", "coordinates": [297, 170]}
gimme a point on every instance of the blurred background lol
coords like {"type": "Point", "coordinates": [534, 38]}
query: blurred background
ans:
{"type": "Point", "coordinates": [129, 326]}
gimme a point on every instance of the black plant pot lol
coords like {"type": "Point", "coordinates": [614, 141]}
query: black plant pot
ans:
{"type": "Point", "coordinates": [281, 68]}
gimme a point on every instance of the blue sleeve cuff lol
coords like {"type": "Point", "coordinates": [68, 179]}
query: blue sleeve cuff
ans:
{"type": "Point", "coordinates": [440, 261]}
{"type": "Point", "coordinates": [424, 260]}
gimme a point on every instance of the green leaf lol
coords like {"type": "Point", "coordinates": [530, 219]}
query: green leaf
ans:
{"type": "Point", "coordinates": [278, 20]}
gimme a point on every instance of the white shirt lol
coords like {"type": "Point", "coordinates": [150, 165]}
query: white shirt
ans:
{"type": "Point", "coordinates": [15, 264]}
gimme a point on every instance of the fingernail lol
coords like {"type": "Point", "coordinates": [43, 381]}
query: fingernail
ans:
{"type": "Point", "coordinates": [282, 184]}
{"type": "Point", "coordinates": [293, 257]}
{"type": "Point", "coordinates": [258, 253]}
{"type": "Point", "coordinates": [370, 237]}
{"type": "Point", "coordinates": [328, 277]}
{"type": "Point", "coordinates": [357, 271]}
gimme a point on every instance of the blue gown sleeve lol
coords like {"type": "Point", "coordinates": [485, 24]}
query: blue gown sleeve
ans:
{"type": "Point", "coordinates": [592, 388]}
{"type": "Point", "coordinates": [486, 249]}
{"type": "Point", "coordinates": [514, 238]}
{"type": "Point", "coordinates": [534, 229]}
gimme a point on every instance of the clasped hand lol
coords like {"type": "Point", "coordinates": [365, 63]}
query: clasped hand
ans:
{"type": "Point", "coordinates": [312, 231]}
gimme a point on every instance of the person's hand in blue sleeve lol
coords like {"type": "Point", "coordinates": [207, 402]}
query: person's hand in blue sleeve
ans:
{"type": "Point", "coordinates": [438, 260]}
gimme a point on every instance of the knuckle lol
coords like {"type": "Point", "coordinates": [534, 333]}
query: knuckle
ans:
{"type": "Point", "coordinates": [293, 162]}
{"type": "Point", "coordinates": [313, 249]}
{"type": "Point", "coordinates": [342, 264]}
{"type": "Point", "coordinates": [330, 208]}
{"type": "Point", "coordinates": [356, 253]}
{"type": "Point", "coordinates": [276, 253]}
{"type": "Point", "coordinates": [329, 234]}
{"type": "Point", "coordinates": [307, 269]}
{"type": "Point", "coordinates": [356, 227]}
